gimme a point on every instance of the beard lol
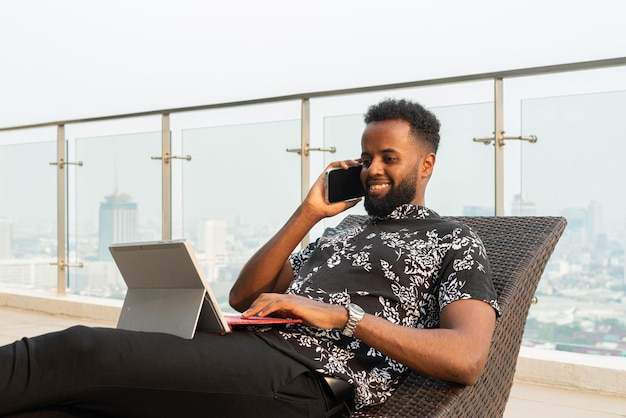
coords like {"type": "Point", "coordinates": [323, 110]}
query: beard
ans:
{"type": "Point", "coordinates": [397, 196]}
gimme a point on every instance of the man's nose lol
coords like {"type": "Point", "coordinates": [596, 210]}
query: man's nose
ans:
{"type": "Point", "coordinates": [375, 168]}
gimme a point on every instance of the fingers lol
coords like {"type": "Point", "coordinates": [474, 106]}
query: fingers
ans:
{"type": "Point", "coordinates": [345, 164]}
{"type": "Point", "coordinates": [267, 304]}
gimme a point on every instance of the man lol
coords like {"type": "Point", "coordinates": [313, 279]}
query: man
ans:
{"type": "Point", "coordinates": [445, 333]}
{"type": "Point", "coordinates": [403, 290]}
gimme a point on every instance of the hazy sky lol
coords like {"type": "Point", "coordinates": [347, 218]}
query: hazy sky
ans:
{"type": "Point", "coordinates": [66, 59]}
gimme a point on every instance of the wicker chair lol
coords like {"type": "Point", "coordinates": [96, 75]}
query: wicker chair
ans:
{"type": "Point", "coordinates": [518, 250]}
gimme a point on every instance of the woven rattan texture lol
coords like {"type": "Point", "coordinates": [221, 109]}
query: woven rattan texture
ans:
{"type": "Point", "coordinates": [518, 250]}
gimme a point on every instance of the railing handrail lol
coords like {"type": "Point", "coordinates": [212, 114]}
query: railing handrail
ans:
{"type": "Point", "coordinates": [522, 72]}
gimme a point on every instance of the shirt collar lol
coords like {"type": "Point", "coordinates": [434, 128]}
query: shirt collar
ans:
{"type": "Point", "coordinates": [408, 211]}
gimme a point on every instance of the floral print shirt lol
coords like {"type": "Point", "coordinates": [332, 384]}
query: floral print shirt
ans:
{"type": "Point", "coordinates": [405, 267]}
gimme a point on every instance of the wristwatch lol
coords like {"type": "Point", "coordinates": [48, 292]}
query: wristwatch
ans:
{"type": "Point", "coordinates": [355, 314]}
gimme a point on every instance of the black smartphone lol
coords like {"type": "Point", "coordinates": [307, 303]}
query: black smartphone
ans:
{"type": "Point", "coordinates": [342, 185]}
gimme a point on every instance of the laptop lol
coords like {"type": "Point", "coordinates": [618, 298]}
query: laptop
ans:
{"type": "Point", "coordinates": [167, 291]}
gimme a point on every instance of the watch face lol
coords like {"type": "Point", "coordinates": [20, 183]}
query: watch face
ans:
{"type": "Point", "coordinates": [355, 314]}
{"type": "Point", "coordinates": [357, 309]}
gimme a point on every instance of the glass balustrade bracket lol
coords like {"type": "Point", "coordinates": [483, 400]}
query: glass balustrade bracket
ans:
{"type": "Point", "coordinates": [488, 140]}
{"type": "Point", "coordinates": [63, 264]}
{"type": "Point", "coordinates": [308, 149]}
{"type": "Point", "coordinates": [62, 163]}
{"type": "Point", "coordinates": [166, 158]}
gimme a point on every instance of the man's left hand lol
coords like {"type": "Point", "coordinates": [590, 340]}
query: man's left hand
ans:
{"type": "Point", "coordinates": [312, 312]}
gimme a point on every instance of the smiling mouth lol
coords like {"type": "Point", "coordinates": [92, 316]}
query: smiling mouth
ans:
{"type": "Point", "coordinates": [378, 186]}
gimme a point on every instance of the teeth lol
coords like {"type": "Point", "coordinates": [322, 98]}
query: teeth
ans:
{"type": "Point", "coordinates": [378, 186]}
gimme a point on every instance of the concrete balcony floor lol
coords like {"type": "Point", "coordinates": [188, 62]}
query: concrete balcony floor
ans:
{"type": "Point", "coordinates": [526, 399]}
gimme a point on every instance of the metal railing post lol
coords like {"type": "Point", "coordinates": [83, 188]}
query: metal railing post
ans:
{"type": "Point", "coordinates": [498, 146]}
{"type": "Point", "coordinates": [61, 213]}
{"type": "Point", "coordinates": [166, 178]}
{"type": "Point", "coordinates": [305, 141]}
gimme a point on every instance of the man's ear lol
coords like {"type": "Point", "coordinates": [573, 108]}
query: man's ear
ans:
{"type": "Point", "coordinates": [427, 164]}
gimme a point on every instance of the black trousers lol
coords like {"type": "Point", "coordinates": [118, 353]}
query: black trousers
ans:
{"type": "Point", "coordinates": [101, 372]}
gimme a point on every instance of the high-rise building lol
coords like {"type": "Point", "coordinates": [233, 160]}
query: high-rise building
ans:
{"type": "Point", "coordinates": [595, 221]}
{"type": "Point", "coordinates": [118, 222]}
{"type": "Point", "coordinates": [212, 250]}
{"type": "Point", "coordinates": [212, 239]}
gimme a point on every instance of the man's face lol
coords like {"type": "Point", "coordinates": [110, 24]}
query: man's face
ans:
{"type": "Point", "coordinates": [391, 172]}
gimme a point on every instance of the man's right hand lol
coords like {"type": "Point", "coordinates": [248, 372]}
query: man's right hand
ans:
{"type": "Point", "coordinates": [315, 201]}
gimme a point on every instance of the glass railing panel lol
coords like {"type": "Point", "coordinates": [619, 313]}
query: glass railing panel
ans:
{"type": "Point", "coordinates": [238, 189]}
{"type": "Point", "coordinates": [254, 115]}
{"type": "Point", "coordinates": [115, 197]}
{"type": "Point", "coordinates": [28, 231]}
{"type": "Point", "coordinates": [463, 180]}
{"type": "Point", "coordinates": [575, 170]}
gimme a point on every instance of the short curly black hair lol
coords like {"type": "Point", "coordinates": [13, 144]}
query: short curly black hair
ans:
{"type": "Point", "coordinates": [424, 124]}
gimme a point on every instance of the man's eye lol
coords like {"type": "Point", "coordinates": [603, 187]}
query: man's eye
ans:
{"type": "Point", "coordinates": [366, 163]}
